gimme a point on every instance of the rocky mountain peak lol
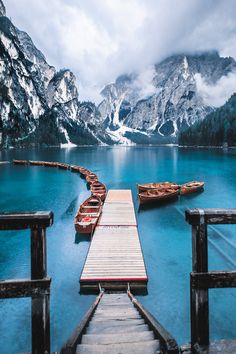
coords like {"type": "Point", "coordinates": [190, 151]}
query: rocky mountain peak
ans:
{"type": "Point", "coordinates": [37, 104]}
{"type": "Point", "coordinates": [175, 103]}
{"type": "Point", "coordinates": [2, 9]}
{"type": "Point", "coordinates": [62, 88]}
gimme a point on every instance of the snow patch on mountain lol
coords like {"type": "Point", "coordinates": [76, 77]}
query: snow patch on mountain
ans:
{"type": "Point", "coordinates": [68, 144]}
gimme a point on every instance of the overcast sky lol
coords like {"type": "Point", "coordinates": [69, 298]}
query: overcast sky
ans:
{"type": "Point", "coordinates": [101, 39]}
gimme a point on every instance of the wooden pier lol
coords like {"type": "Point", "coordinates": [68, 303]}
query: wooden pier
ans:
{"type": "Point", "coordinates": [115, 256]}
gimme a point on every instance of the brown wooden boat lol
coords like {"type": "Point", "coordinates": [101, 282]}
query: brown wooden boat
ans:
{"type": "Point", "coordinates": [20, 162]}
{"type": "Point", "coordinates": [36, 163]}
{"type": "Point", "coordinates": [84, 172]}
{"type": "Point", "coordinates": [91, 177]}
{"type": "Point", "coordinates": [191, 187]}
{"type": "Point", "coordinates": [157, 195]}
{"type": "Point", "coordinates": [88, 215]}
{"type": "Point", "coordinates": [75, 168]}
{"type": "Point", "coordinates": [63, 166]}
{"type": "Point", "coordinates": [50, 164]}
{"type": "Point", "coordinates": [151, 186]}
{"type": "Point", "coordinates": [99, 189]}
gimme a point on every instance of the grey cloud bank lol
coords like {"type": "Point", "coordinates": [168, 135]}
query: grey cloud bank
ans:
{"type": "Point", "coordinates": [101, 39]}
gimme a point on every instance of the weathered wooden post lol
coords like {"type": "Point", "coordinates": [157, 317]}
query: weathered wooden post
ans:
{"type": "Point", "coordinates": [40, 304]}
{"type": "Point", "coordinates": [199, 297]}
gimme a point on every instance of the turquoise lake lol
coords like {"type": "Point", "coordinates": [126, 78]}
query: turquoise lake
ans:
{"type": "Point", "coordinates": [164, 234]}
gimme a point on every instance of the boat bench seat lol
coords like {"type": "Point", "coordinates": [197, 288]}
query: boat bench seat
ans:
{"type": "Point", "coordinates": [89, 214]}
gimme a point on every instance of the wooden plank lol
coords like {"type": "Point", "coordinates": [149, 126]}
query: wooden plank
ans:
{"type": "Point", "coordinates": [117, 214]}
{"type": "Point", "coordinates": [24, 220]}
{"type": "Point", "coordinates": [119, 195]}
{"type": "Point", "coordinates": [24, 288]}
{"type": "Point", "coordinates": [213, 280]}
{"type": "Point", "coordinates": [107, 264]}
{"type": "Point", "coordinates": [211, 216]}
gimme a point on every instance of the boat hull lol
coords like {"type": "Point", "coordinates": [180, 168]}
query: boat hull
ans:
{"type": "Point", "coordinates": [189, 188]}
{"type": "Point", "coordinates": [88, 215]}
{"type": "Point", "coordinates": [149, 197]}
{"type": "Point", "coordinates": [20, 162]}
{"type": "Point", "coordinates": [154, 186]}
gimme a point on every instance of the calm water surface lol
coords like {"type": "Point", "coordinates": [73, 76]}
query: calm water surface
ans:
{"type": "Point", "coordinates": [165, 236]}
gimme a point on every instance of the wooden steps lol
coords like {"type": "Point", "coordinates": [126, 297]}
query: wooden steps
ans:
{"type": "Point", "coordinates": [117, 327]}
{"type": "Point", "coordinates": [115, 256]}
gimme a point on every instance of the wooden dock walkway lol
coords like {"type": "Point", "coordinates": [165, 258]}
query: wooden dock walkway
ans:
{"type": "Point", "coordinates": [117, 327]}
{"type": "Point", "coordinates": [118, 323]}
{"type": "Point", "coordinates": [115, 256]}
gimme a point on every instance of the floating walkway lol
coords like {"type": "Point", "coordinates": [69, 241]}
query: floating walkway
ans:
{"type": "Point", "coordinates": [115, 256]}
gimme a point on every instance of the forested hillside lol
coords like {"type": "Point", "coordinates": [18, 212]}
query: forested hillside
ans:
{"type": "Point", "coordinates": [217, 128]}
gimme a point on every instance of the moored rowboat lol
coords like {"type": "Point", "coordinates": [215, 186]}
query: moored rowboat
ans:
{"type": "Point", "coordinates": [191, 187]}
{"type": "Point", "coordinates": [63, 166]}
{"type": "Point", "coordinates": [84, 172]}
{"type": "Point", "coordinates": [20, 162]}
{"type": "Point", "coordinates": [99, 189]}
{"type": "Point", "coordinates": [88, 215]}
{"type": "Point", "coordinates": [151, 186]}
{"type": "Point", "coordinates": [91, 177]}
{"type": "Point", "coordinates": [157, 195]}
{"type": "Point", "coordinates": [36, 163]}
{"type": "Point", "coordinates": [75, 168]}
{"type": "Point", "coordinates": [49, 164]}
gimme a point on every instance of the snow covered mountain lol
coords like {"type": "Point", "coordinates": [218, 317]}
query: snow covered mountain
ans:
{"type": "Point", "coordinates": [39, 106]}
{"type": "Point", "coordinates": [175, 103]}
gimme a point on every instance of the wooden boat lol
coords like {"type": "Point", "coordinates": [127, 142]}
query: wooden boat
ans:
{"type": "Point", "coordinates": [63, 166]}
{"type": "Point", "coordinates": [151, 186]}
{"type": "Point", "coordinates": [91, 177]}
{"type": "Point", "coordinates": [99, 189]}
{"type": "Point", "coordinates": [20, 162]}
{"type": "Point", "coordinates": [75, 168]}
{"type": "Point", "coordinates": [88, 215]}
{"type": "Point", "coordinates": [36, 163]}
{"type": "Point", "coordinates": [191, 187]}
{"type": "Point", "coordinates": [84, 172]}
{"type": "Point", "coordinates": [157, 195]}
{"type": "Point", "coordinates": [50, 164]}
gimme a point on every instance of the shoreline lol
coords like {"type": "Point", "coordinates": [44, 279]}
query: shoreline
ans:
{"type": "Point", "coordinates": [118, 146]}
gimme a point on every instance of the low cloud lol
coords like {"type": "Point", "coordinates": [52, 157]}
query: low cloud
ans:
{"type": "Point", "coordinates": [102, 39]}
{"type": "Point", "coordinates": [144, 83]}
{"type": "Point", "coordinates": [216, 95]}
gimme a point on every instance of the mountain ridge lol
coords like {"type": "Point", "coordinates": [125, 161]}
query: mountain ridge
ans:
{"type": "Point", "coordinates": [40, 106]}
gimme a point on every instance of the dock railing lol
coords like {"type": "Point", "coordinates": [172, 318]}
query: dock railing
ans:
{"type": "Point", "coordinates": [38, 287]}
{"type": "Point", "coordinates": [201, 280]}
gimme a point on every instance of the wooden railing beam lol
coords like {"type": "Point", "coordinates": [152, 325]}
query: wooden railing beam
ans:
{"type": "Point", "coordinates": [25, 220]}
{"type": "Point", "coordinates": [213, 279]}
{"type": "Point", "coordinates": [24, 288]}
{"type": "Point", "coordinates": [211, 216]}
